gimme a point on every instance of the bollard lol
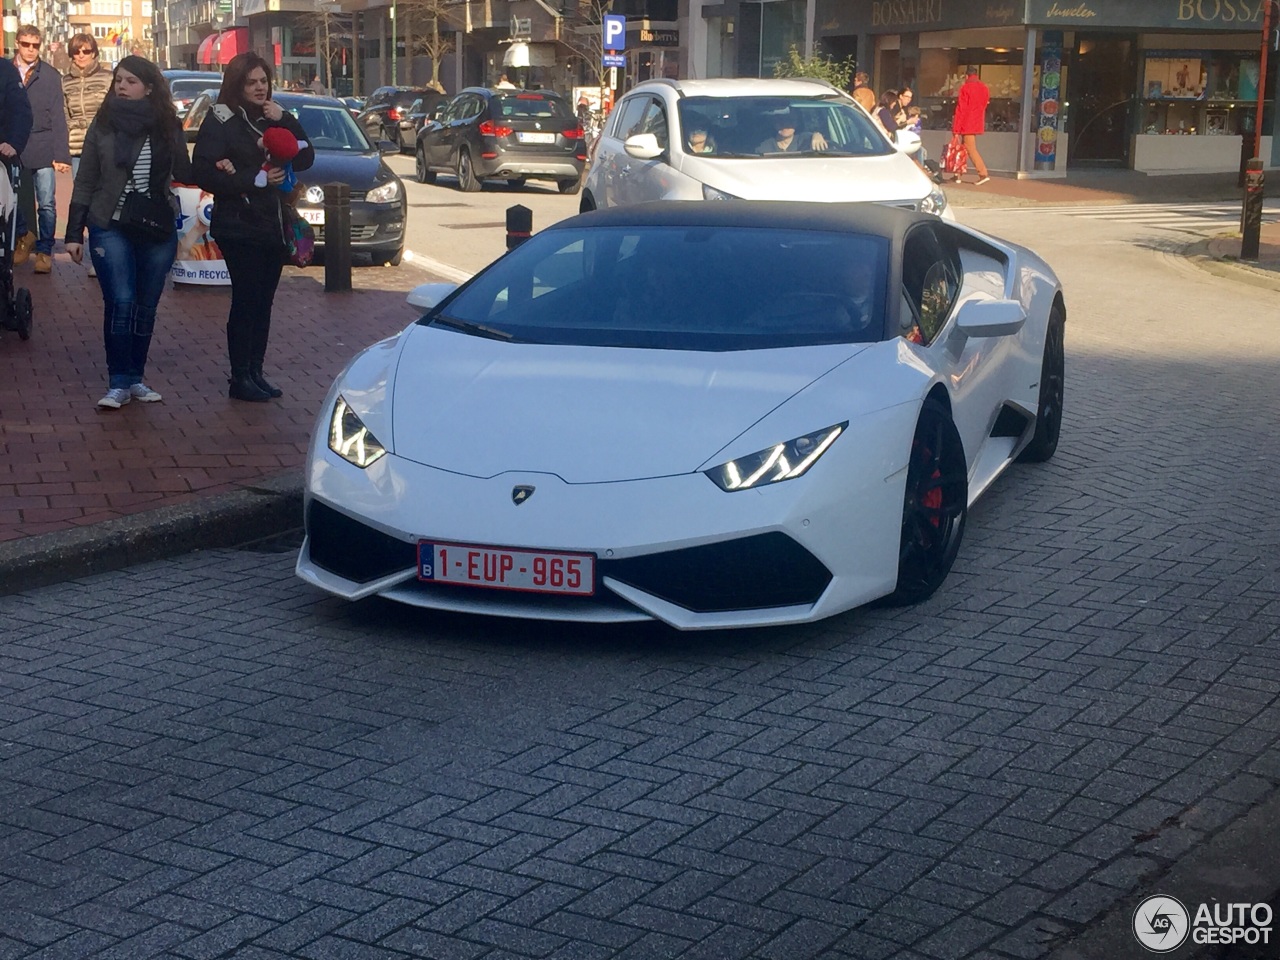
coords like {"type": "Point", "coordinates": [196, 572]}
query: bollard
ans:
{"type": "Point", "coordinates": [337, 237]}
{"type": "Point", "coordinates": [1248, 143]}
{"type": "Point", "coordinates": [1251, 218]}
{"type": "Point", "coordinates": [519, 225]}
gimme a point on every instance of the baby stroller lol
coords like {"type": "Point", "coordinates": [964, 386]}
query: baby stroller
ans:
{"type": "Point", "coordinates": [15, 302]}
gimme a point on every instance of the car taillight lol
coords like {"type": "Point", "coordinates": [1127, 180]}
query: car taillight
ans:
{"type": "Point", "coordinates": [574, 134]}
{"type": "Point", "coordinates": [487, 129]}
{"type": "Point", "coordinates": [393, 114]}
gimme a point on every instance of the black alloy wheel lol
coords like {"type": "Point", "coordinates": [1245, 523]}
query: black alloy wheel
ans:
{"type": "Point", "coordinates": [420, 167]}
{"type": "Point", "coordinates": [569, 186]}
{"type": "Point", "coordinates": [587, 205]}
{"type": "Point", "coordinates": [467, 181]}
{"type": "Point", "coordinates": [934, 507]}
{"type": "Point", "coordinates": [1044, 443]}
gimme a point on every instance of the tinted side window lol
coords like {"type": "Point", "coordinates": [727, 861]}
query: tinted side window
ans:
{"type": "Point", "coordinates": [930, 279]}
{"type": "Point", "coordinates": [628, 117]}
{"type": "Point", "coordinates": [655, 122]}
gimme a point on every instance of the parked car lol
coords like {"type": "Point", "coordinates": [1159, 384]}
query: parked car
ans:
{"type": "Point", "coordinates": [186, 85]}
{"type": "Point", "coordinates": [354, 104]}
{"type": "Point", "coordinates": [706, 414]}
{"type": "Point", "coordinates": [512, 135]}
{"type": "Point", "coordinates": [196, 112]}
{"type": "Point", "coordinates": [344, 154]}
{"type": "Point", "coordinates": [836, 152]}
{"type": "Point", "coordinates": [386, 114]}
{"type": "Point", "coordinates": [420, 110]}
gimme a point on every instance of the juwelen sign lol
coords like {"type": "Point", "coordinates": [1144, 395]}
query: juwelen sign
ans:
{"type": "Point", "coordinates": [1184, 14]}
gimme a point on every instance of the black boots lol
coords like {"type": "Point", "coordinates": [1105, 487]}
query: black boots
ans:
{"type": "Point", "coordinates": [243, 387]}
{"type": "Point", "coordinates": [255, 374]}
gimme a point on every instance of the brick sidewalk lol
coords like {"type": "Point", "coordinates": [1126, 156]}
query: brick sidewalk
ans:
{"type": "Point", "coordinates": [68, 464]}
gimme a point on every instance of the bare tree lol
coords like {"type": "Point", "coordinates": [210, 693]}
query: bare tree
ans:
{"type": "Point", "coordinates": [580, 31]}
{"type": "Point", "coordinates": [328, 26]}
{"type": "Point", "coordinates": [438, 16]}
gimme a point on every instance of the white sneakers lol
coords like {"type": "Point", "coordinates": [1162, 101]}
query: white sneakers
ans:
{"type": "Point", "coordinates": [981, 181]}
{"type": "Point", "coordinates": [117, 397]}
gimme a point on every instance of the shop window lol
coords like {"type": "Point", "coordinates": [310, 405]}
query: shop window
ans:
{"type": "Point", "coordinates": [942, 73]}
{"type": "Point", "coordinates": [767, 30]}
{"type": "Point", "coordinates": [1193, 92]}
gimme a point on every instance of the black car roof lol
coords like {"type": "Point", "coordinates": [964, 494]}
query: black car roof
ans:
{"type": "Point", "coordinates": [866, 218]}
{"type": "Point", "coordinates": [298, 99]}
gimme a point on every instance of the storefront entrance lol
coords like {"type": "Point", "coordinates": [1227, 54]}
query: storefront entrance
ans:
{"type": "Point", "coordinates": [1101, 84]}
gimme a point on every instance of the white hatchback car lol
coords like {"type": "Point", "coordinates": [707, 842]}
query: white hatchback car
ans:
{"type": "Point", "coordinates": [728, 140]}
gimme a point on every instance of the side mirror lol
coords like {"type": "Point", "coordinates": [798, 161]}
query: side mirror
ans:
{"type": "Point", "coordinates": [429, 295]}
{"type": "Point", "coordinates": [388, 146]}
{"type": "Point", "coordinates": [990, 318]}
{"type": "Point", "coordinates": [643, 146]}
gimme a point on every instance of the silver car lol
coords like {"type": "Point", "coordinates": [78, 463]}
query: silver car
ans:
{"type": "Point", "coordinates": [788, 139]}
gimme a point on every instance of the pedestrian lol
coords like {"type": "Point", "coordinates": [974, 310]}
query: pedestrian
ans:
{"type": "Point", "coordinates": [15, 114]}
{"type": "Point", "coordinates": [887, 112]}
{"type": "Point", "coordinates": [970, 120]}
{"type": "Point", "coordinates": [247, 219]}
{"type": "Point", "coordinates": [132, 152]}
{"type": "Point", "coordinates": [504, 83]}
{"type": "Point", "coordinates": [863, 93]}
{"type": "Point", "coordinates": [318, 87]}
{"type": "Point", "coordinates": [84, 87]}
{"type": "Point", "coordinates": [47, 152]}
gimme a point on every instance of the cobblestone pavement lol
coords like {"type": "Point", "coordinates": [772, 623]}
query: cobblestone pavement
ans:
{"type": "Point", "coordinates": [205, 758]}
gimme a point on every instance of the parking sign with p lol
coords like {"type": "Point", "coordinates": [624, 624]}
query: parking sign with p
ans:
{"type": "Point", "coordinates": [615, 31]}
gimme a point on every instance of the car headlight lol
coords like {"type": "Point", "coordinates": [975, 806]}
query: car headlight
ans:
{"type": "Point", "coordinates": [384, 194]}
{"type": "Point", "coordinates": [935, 202]}
{"type": "Point", "coordinates": [350, 439]}
{"type": "Point", "coordinates": [711, 193]}
{"type": "Point", "coordinates": [783, 461]}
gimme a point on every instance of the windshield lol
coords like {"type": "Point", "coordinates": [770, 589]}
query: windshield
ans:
{"type": "Point", "coordinates": [758, 127]}
{"type": "Point", "coordinates": [331, 127]}
{"type": "Point", "coordinates": [188, 88]}
{"type": "Point", "coordinates": [679, 288]}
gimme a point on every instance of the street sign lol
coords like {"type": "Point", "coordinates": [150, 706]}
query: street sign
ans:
{"type": "Point", "coordinates": [613, 60]}
{"type": "Point", "coordinates": [615, 31]}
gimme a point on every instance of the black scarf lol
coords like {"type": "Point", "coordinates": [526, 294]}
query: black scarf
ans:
{"type": "Point", "coordinates": [133, 119]}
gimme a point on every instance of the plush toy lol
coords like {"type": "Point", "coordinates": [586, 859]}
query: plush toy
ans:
{"type": "Point", "coordinates": [281, 147]}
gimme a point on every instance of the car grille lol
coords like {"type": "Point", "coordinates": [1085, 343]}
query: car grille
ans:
{"type": "Point", "coordinates": [364, 231]}
{"type": "Point", "coordinates": [353, 551]}
{"type": "Point", "coordinates": [751, 573]}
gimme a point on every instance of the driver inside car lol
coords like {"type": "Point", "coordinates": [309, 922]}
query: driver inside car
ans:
{"type": "Point", "coordinates": [788, 140]}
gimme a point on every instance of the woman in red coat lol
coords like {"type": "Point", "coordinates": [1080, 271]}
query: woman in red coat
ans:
{"type": "Point", "coordinates": [971, 118]}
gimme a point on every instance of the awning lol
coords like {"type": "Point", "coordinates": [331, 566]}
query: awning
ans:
{"type": "Point", "coordinates": [234, 41]}
{"type": "Point", "coordinates": [204, 53]}
{"type": "Point", "coordinates": [516, 55]}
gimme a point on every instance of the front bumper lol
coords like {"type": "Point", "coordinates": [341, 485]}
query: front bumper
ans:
{"type": "Point", "coordinates": [374, 226]}
{"type": "Point", "coordinates": [674, 549]}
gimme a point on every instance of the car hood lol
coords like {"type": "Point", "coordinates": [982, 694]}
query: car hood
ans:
{"type": "Point", "coordinates": [357, 169]}
{"type": "Point", "coordinates": [586, 414]}
{"type": "Point", "coordinates": [829, 180]}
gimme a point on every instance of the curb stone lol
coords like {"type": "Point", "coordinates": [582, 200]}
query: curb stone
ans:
{"type": "Point", "coordinates": [1198, 254]}
{"type": "Point", "coordinates": [267, 508]}
{"type": "Point", "coordinates": [1239, 864]}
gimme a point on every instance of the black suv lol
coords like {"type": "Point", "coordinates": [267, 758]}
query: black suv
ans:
{"type": "Point", "coordinates": [512, 135]}
{"type": "Point", "coordinates": [386, 114]}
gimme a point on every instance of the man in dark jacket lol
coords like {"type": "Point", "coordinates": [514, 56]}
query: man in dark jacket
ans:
{"type": "Point", "coordinates": [15, 114]}
{"type": "Point", "coordinates": [48, 149]}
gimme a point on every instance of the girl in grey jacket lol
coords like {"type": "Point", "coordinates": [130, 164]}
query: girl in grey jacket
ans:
{"type": "Point", "coordinates": [134, 146]}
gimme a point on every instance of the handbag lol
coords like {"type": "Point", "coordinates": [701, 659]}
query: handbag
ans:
{"type": "Point", "coordinates": [299, 238]}
{"type": "Point", "coordinates": [144, 217]}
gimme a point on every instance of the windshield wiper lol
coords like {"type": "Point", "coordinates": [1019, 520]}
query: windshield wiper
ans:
{"type": "Point", "coordinates": [475, 329]}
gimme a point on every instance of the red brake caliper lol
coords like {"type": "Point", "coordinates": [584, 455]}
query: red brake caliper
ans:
{"type": "Point", "coordinates": [932, 500]}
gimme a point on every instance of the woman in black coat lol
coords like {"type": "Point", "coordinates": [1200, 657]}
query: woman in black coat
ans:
{"type": "Point", "coordinates": [248, 221]}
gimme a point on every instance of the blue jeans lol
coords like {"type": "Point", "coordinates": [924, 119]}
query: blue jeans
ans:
{"type": "Point", "coordinates": [132, 274]}
{"type": "Point", "coordinates": [46, 209]}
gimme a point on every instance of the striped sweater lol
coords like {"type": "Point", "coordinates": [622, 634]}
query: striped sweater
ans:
{"type": "Point", "coordinates": [84, 91]}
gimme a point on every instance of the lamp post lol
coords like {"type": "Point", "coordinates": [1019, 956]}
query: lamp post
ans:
{"type": "Point", "coordinates": [1262, 73]}
{"type": "Point", "coordinates": [395, 42]}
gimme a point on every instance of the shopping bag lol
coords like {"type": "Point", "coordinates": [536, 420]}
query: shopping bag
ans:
{"type": "Point", "coordinates": [955, 158]}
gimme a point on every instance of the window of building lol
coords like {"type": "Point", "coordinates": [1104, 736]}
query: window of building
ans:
{"type": "Point", "coordinates": [767, 30]}
{"type": "Point", "coordinates": [146, 8]}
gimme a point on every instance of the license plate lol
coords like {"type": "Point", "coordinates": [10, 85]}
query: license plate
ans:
{"type": "Point", "coordinates": [501, 568]}
{"type": "Point", "coordinates": [313, 216]}
{"type": "Point", "coordinates": [536, 137]}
